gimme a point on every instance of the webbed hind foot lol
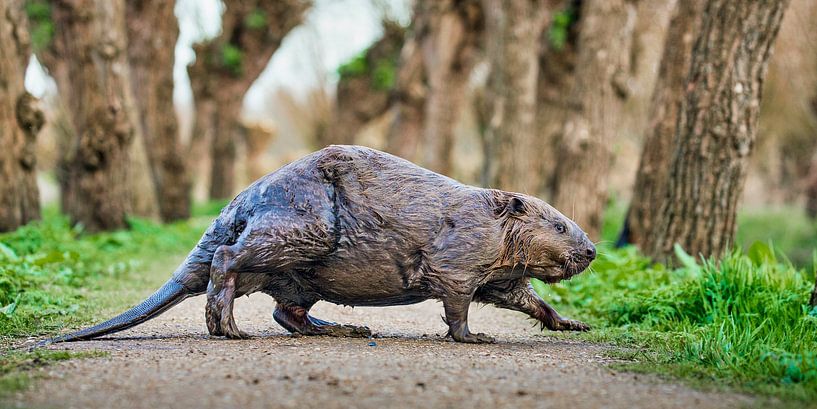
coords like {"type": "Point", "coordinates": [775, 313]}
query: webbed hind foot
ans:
{"type": "Point", "coordinates": [295, 319]}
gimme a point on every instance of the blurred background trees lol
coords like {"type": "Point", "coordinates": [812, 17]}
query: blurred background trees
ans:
{"type": "Point", "coordinates": [20, 120]}
{"type": "Point", "coordinates": [663, 105]}
{"type": "Point", "coordinates": [152, 36]}
{"type": "Point", "coordinates": [225, 68]}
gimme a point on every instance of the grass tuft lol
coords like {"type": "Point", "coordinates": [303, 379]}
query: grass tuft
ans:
{"type": "Point", "coordinates": [741, 321]}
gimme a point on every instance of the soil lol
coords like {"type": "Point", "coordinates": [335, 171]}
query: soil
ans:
{"type": "Point", "coordinates": [172, 362]}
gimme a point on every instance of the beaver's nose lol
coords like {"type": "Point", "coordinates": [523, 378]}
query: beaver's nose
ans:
{"type": "Point", "coordinates": [590, 252]}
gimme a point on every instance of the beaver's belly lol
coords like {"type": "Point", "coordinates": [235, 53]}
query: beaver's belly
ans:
{"type": "Point", "coordinates": [364, 284]}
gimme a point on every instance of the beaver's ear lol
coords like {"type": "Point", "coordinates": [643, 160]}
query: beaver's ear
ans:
{"type": "Point", "coordinates": [516, 206]}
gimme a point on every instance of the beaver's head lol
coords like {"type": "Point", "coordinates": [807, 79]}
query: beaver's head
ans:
{"type": "Point", "coordinates": [542, 242]}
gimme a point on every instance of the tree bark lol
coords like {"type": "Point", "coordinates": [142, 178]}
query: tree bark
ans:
{"type": "Point", "coordinates": [653, 170]}
{"type": "Point", "coordinates": [717, 127]}
{"type": "Point", "coordinates": [226, 67]}
{"type": "Point", "coordinates": [450, 51]}
{"type": "Point", "coordinates": [364, 87]}
{"type": "Point", "coordinates": [91, 40]}
{"type": "Point", "coordinates": [595, 107]}
{"type": "Point", "coordinates": [405, 133]}
{"type": "Point", "coordinates": [20, 121]}
{"type": "Point", "coordinates": [557, 66]}
{"type": "Point", "coordinates": [152, 35]}
{"type": "Point", "coordinates": [513, 31]}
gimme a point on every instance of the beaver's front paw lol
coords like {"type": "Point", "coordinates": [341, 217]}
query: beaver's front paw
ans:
{"type": "Point", "coordinates": [565, 324]}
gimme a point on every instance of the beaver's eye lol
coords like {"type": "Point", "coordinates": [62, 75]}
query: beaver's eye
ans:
{"type": "Point", "coordinates": [560, 228]}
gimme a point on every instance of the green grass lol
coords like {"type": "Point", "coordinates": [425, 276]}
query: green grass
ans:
{"type": "Point", "coordinates": [48, 269]}
{"type": "Point", "coordinates": [16, 366]}
{"type": "Point", "coordinates": [50, 272]}
{"type": "Point", "coordinates": [791, 231]}
{"type": "Point", "coordinates": [739, 322]}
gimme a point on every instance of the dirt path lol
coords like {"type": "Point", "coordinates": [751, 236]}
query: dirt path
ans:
{"type": "Point", "coordinates": [171, 362]}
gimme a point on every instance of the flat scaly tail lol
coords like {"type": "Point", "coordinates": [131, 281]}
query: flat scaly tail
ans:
{"type": "Point", "coordinates": [170, 294]}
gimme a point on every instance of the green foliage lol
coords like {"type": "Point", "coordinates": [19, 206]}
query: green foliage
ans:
{"type": "Point", "coordinates": [47, 267]}
{"type": "Point", "coordinates": [41, 26]}
{"type": "Point", "coordinates": [383, 71]}
{"type": "Point", "coordinates": [231, 57]}
{"type": "Point", "coordinates": [742, 320]}
{"type": "Point", "coordinates": [560, 27]}
{"type": "Point", "coordinates": [384, 74]}
{"type": "Point", "coordinates": [356, 66]}
{"type": "Point", "coordinates": [256, 20]}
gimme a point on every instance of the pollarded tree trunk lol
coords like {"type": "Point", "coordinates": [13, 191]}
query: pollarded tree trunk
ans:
{"type": "Point", "coordinates": [450, 51]}
{"type": "Point", "coordinates": [717, 126]}
{"type": "Point", "coordinates": [364, 86]}
{"type": "Point", "coordinates": [513, 29]}
{"type": "Point", "coordinates": [430, 91]}
{"type": "Point", "coordinates": [595, 107]}
{"type": "Point", "coordinates": [90, 36]}
{"type": "Point", "coordinates": [152, 35]}
{"type": "Point", "coordinates": [226, 67]}
{"type": "Point", "coordinates": [20, 120]}
{"type": "Point", "coordinates": [670, 89]}
{"type": "Point", "coordinates": [405, 133]}
{"type": "Point", "coordinates": [557, 66]}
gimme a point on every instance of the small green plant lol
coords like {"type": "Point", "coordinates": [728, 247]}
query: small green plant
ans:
{"type": "Point", "coordinates": [560, 27]}
{"type": "Point", "coordinates": [256, 20]}
{"type": "Point", "coordinates": [231, 57]}
{"type": "Point", "coordinates": [384, 74]}
{"type": "Point", "coordinates": [356, 66]}
{"type": "Point", "coordinates": [40, 24]}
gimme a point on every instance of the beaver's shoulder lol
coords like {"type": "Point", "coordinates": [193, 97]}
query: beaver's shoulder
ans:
{"type": "Point", "coordinates": [337, 162]}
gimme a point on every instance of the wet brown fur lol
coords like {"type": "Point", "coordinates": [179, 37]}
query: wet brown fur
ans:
{"type": "Point", "coordinates": [355, 226]}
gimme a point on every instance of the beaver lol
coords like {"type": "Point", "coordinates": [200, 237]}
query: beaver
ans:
{"type": "Point", "coordinates": [359, 227]}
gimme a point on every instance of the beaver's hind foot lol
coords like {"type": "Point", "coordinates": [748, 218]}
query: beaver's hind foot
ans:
{"type": "Point", "coordinates": [296, 320]}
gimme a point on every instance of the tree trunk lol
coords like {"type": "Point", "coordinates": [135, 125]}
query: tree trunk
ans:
{"type": "Point", "coordinates": [141, 189]}
{"type": "Point", "coordinates": [152, 35]}
{"type": "Point", "coordinates": [717, 126]}
{"type": "Point", "coordinates": [450, 50]}
{"type": "Point", "coordinates": [258, 139]}
{"type": "Point", "coordinates": [653, 170]}
{"type": "Point", "coordinates": [20, 120]}
{"type": "Point", "coordinates": [226, 67]}
{"type": "Point", "coordinates": [557, 66]}
{"type": "Point", "coordinates": [405, 132]}
{"type": "Point", "coordinates": [513, 31]}
{"type": "Point", "coordinates": [90, 36]}
{"type": "Point", "coordinates": [435, 64]}
{"type": "Point", "coordinates": [595, 108]}
{"type": "Point", "coordinates": [364, 87]}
